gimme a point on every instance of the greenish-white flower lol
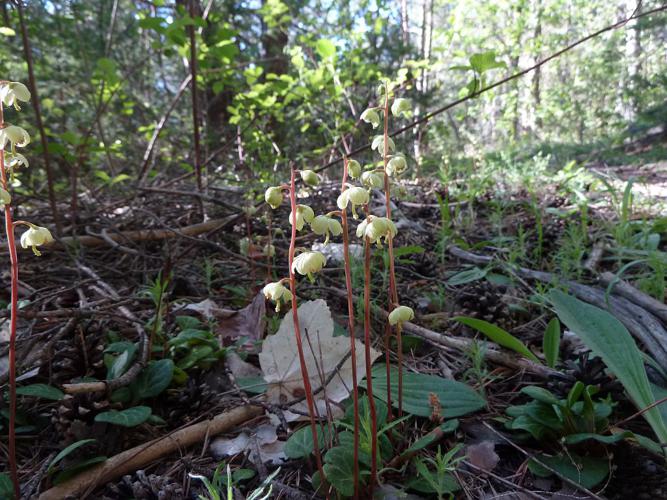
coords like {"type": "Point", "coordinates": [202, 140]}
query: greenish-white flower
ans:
{"type": "Point", "coordinates": [401, 314]}
{"type": "Point", "coordinates": [303, 214]}
{"type": "Point", "coordinates": [397, 165]}
{"type": "Point", "coordinates": [377, 143]}
{"type": "Point", "coordinates": [353, 169]}
{"type": "Point", "coordinates": [310, 177]}
{"type": "Point", "coordinates": [13, 92]}
{"type": "Point", "coordinates": [325, 225]}
{"type": "Point", "coordinates": [34, 237]}
{"type": "Point", "coordinates": [371, 116]}
{"type": "Point", "coordinates": [355, 196]}
{"type": "Point", "coordinates": [372, 179]}
{"type": "Point", "coordinates": [401, 107]}
{"type": "Point", "coordinates": [14, 135]}
{"type": "Point", "coordinates": [5, 197]}
{"type": "Point", "coordinates": [16, 160]}
{"type": "Point", "coordinates": [273, 196]}
{"type": "Point", "coordinates": [375, 228]}
{"type": "Point", "coordinates": [308, 263]}
{"type": "Point", "coordinates": [278, 293]}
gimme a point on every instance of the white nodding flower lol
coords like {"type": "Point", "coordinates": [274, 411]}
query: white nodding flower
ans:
{"type": "Point", "coordinates": [377, 143]}
{"type": "Point", "coordinates": [310, 177]}
{"type": "Point", "coordinates": [353, 168]}
{"type": "Point", "coordinates": [372, 179]}
{"type": "Point", "coordinates": [325, 225]}
{"type": "Point", "coordinates": [17, 160]}
{"type": "Point", "coordinates": [375, 228]}
{"type": "Point", "coordinates": [308, 263]}
{"type": "Point", "coordinates": [34, 237]}
{"type": "Point", "coordinates": [277, 292]}
{"type": "Point", "coordinates": [5, 197]}
{"type": "Point", "coordinates": [269, 250]}
{"type": "Point", "coordinates": [401, 314]}
{"type": "Point", "coordinates": [273, 196]}
{"type": "Point", "coordinates": [401, 107]}
{"type": "Point", "coordinates": [371, 116]}
{"type": "Point", "coordinates": [354, 196]}
{"type": "Point", "coordinates": [13, 92]}
{"type": "Point", "coordinates": [396, 165]}
{"type": "Point", "coordinates": [14, 135]}
{"type": "Point", "coordinates": [303, 214]}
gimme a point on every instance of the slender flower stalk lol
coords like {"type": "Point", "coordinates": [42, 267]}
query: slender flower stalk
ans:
{"type": "Point", "coordinates": [367, 344]}
{"type": "Point", "coordinates": [350, 324]}
{"type": "Point", "coordinates": [13, 259]}
{"type": "Point", "coordinates": [297, 331]}
{"type": "Point", "coordinates": [393, 293]}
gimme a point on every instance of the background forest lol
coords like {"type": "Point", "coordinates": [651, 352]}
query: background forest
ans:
{"type": "Point", "coordinates": [523, 154]}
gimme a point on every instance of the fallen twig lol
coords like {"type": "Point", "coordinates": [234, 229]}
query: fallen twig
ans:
{"type": "Point", "coordinates": [140, 456]}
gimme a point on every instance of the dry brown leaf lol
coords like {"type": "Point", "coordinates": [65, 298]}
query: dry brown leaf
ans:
{"type": "Point", "coordinates": [323, 352]}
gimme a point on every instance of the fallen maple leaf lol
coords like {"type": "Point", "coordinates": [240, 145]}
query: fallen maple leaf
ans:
{"type": "Point", "coordinates": [323, 353]}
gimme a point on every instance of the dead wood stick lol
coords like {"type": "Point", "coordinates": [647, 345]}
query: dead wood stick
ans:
{"type": "Point", "coordinates": [141, 234]}
{"type": "Point", "coordinates": [141, 456]}
{"type": "Point", "coordinates": [593, 261]}
{"type": "Point", "coordinates": [622, 287]}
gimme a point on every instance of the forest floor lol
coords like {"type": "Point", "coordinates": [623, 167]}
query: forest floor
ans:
{"type": "Point", "coordinates": [89, 313]}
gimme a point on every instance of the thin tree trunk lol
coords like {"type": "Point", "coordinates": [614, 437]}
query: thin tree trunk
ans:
{"type": "Point", "coordinates": [38, 117]}
{"type": "Point", "coordinates": [195, 102]}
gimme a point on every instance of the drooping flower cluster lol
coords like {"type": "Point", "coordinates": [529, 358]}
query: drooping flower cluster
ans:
{"type": "Point", "coordinates": [12, 137]}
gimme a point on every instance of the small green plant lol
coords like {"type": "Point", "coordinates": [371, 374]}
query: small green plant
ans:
{"type": "Point", "coordinates": [549, 419]}
{"type": "Point", "coordinates": [195, 346]}
{"type": "Point", "coordinates": [221, 485]}
{"type": "Point", "coordinates": [435, 475]}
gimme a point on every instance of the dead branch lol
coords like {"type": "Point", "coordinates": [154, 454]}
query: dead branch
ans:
{"type": "Point", "coordinates": [140, 456]}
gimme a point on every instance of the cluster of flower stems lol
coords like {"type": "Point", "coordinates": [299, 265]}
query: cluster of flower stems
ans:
{"type": "Point", "coordinates": [13, 136]}
{"type": "Point", "coordinates": [373, 230]}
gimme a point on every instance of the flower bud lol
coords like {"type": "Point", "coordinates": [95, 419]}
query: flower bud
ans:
{"type": "Point", "coordinates": [5, 197]}
{"type": "Point", "coordinates": [378, 141]}
{"type": "Point", "coordinates": [303, 214]}
{"type": "Point", "coordinates": [355, 196]}
{"type": "Point", "coordinates": [308, 263]}
{"type": "Point", "coordinates": [14, 135]}
{"type": "Point", "coordinates": [397, 165]}
{"type": "Point", "coordinates": [36, 236]}
{"type": "Point", "coordinates": [372, 179]}
{"type": "Point", "coordinates": [375, 228]}
{"type": "Point", "coordinates": [401, 107]}
{"type": "Point", "coordinates": [371, 116]}
{"type": "Point", "coordinates": [13, 92]}
{"type": "Point", "coordinates": [401, 314]}
{"type": "Point", "coordinates": [274, 196]}
{"type": "Point", "coordinates": [353, 168]}
{"type": "Point", "coordinates": [310, 178]}
{"type": "Point", "coordinates": [277, 292]}
{"type": "Point", "coordinates": [325, 225]}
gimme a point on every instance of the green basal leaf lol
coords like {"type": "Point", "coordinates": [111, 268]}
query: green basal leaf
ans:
{"type": "Point", "coordinates": [498, 335]}
{"type": "Point", "coordinates": [127, 418]}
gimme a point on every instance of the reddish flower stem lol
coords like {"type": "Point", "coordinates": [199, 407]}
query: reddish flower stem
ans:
{"type": "Point", "coordinates": [297, 331]}
{"type": "Point", "coordinates": [393, 293]}
{"type": "Point", "coordinates": [367, 342]}
{"type": "Point", "coordinates": [350, 324]}
{"type": "Point", "coordinates": [13, 259]}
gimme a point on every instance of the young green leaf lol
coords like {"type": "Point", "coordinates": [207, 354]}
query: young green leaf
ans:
{"type": "Point", "coordinates": [154, 379]}
{"type": "Point", "coordinates": [498, 335]}
{"type": "Point", "coordinates": [551, 342]}
{"type": "Point", "coordinates": [126, 418]}
{"type": "Point", "coordinates": [69, 449]}
{"type": "Point", "coordinates": [41, 391]}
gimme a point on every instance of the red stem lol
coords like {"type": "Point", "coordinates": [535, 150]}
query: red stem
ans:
{"type": "Point", "coordinates": [367, 345]}
{"type": "Point", "coordinates": [393, 293]}
{"type": "Point", "coordinates": [13, 259]}
{"type": "Point", "coordinates": [297, 330]}
{"type": "Point", "coordinates": [350, 324]}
